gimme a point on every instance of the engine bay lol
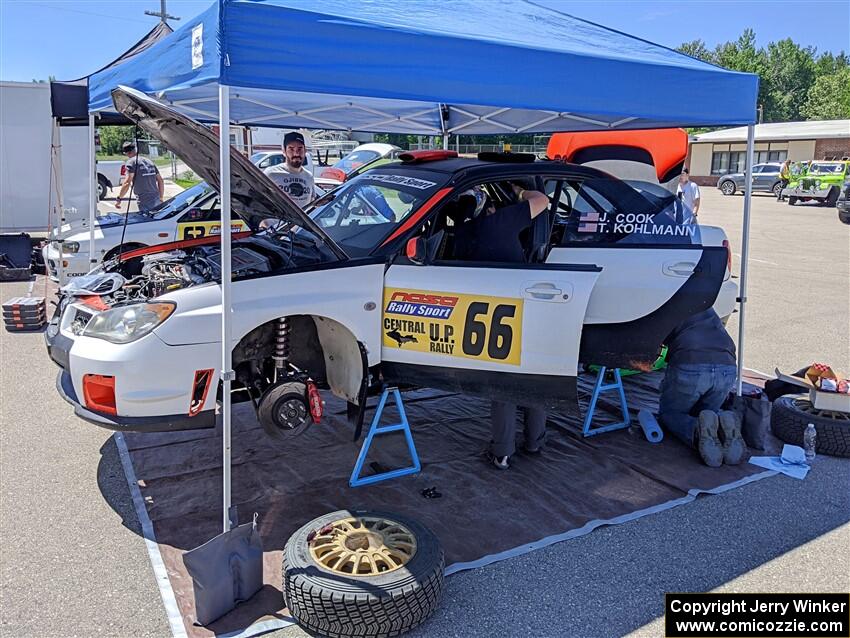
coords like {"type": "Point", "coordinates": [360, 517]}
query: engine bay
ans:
{"type": "Point", "coordinates": [147, 276]}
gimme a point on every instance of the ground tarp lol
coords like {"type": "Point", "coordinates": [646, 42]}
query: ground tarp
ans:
{"type": "Point", "coordinates": [429, 67]}
{"type": "Point", "coordinates": [484, 515]}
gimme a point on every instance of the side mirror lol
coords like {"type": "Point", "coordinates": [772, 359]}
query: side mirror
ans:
{"type": "Point", "coordinates": [415, 250]}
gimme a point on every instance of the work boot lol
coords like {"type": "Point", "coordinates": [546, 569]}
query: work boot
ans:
{"type": "Point", "coordinates": [708, 442]}
{"type": "Point", "coordinates": [734, 447]}
{"type": "Point", "coordinates": [501, 462]}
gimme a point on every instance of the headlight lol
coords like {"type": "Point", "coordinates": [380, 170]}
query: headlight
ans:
{"type": "Point", "coordinates": [817, 183]}
{"type": "Point", "coordinates": [128, 323]}
{"type": "Point", "coordinates": [71, 246]}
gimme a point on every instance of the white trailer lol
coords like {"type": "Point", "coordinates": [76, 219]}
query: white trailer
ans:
{"type": "Point", "coordinates": [43, 169]}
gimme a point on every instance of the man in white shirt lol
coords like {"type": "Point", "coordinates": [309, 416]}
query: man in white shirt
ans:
{"type": "Point", "coordinates": [688, 192]}
{"type": "Point", "coordinates": [290, 176]}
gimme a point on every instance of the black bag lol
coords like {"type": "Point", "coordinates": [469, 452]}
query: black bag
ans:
{"type": "Point", "coordinates": [754, 410]}
{"type": "Point", "coordinates": [15, 257]}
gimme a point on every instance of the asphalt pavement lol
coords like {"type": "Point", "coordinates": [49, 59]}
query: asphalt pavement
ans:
{"type": "Point", "coordinates": [73, 563]}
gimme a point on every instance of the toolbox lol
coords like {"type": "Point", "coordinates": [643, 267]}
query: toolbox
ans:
{"type": "Point", "coordinates": [24, 313]}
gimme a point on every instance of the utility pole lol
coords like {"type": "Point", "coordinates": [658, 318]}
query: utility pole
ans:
{"type": "Point", "coordinates": [163, 13]}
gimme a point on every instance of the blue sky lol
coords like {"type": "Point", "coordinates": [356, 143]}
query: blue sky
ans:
{"type": "Point", "coordinates": [72, 38]}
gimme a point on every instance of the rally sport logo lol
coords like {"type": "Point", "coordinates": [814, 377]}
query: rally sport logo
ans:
{"type": "Point", "coordinates": [421, 305]}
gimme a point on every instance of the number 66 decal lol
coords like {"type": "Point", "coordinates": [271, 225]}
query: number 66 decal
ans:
{"type": "Point", "coordinates": [499, 341]}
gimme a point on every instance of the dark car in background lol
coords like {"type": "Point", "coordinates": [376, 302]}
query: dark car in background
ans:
{"type": "Point", "coordinates": [765, 180]}
{"type": "Point", "coordinates": [843, 203]}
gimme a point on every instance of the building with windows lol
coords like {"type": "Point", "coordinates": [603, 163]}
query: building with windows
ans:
{"type": "Point", "coordinates": [713, 154]}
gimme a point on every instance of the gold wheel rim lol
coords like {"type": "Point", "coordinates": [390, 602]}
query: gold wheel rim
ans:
{"type": "Point", "coordinates": [363, 546]}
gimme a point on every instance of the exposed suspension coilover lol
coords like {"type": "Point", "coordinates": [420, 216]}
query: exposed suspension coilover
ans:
{"type": "Point", "coordinates": [281, 345]}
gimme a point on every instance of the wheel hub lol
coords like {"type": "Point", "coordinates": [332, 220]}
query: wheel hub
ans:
{"type": "Point", "coordinates": [363, 546]}
{"type": "Point", "coordinates": [292, 413]}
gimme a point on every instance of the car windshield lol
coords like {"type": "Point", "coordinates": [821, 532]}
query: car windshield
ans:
{"type": "Point", "coordinates": [835, 168]}
{"type": "Point", "coordinates": [359, 214]}
{"type": "Point", "coordinates": [355, 159]}
{"type": "Point", "coordinates": [256, 157]}
{"type": "Point", "coordinates": [181, 201]}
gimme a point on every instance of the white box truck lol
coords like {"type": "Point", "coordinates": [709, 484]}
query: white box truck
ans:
{"type": "Point", "coordinates": [30, 177]}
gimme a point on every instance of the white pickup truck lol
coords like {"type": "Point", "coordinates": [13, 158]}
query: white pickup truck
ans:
{"type": "Point", "coordinates": [110, 174]}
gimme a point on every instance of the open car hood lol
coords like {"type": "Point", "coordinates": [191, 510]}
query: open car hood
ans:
{"type": "Point", "coordinates": [255, 197]}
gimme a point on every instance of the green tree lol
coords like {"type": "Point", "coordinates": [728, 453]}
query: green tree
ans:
{"type": "Point", "coordinates": [112, 137]}
{"type": "Point", "coordinates": [790, 74]}
{"type": "Point", "coordinates": [829, 97]}
{"type": "Point", "coordinates": [697, 49]}
{"type": "Point", "coordinates": [828, 64]}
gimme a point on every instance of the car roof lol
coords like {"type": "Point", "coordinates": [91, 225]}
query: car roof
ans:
{"type": "Point", "coordinates": [380, 147]}
{"type": "Point", "coordinates": [461, 167]}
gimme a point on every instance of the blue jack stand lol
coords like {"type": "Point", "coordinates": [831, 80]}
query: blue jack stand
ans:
{"type": "Point", "coordinates": [376, 428]}
{"type": "Point", "coordinates": [601, 387]}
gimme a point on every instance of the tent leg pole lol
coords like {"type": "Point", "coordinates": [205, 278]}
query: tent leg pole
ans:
{"type": "Point", "coordinates": [92, 191]}
{"type": "Point", "coordinates": [745, 253]}
{"type": "Point", "coordinates": [445, 141]}
{"type": "Point", "coordinates": [226, 363]}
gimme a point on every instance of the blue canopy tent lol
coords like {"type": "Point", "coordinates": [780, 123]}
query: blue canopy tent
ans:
{"type": "Point", "coordinates": [424, 67]}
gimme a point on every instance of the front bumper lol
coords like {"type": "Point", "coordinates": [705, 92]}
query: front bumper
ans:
{"type": "Point", "coordinates": [169, 423]}
{"type": "Point", "coordinates": [74, 264]}
{"type": "Point", "coordinates": [153, 381]}
{"type": "Point", "coordinates": [807, 193]}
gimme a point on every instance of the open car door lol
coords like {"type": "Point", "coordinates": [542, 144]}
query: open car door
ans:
{"type": "Point", "coordinates": [503, 331]}
{"type": "Point", "coordinates": [655, 271]}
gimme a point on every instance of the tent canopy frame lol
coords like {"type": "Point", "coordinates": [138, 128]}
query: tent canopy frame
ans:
{"type": "Point", "coordinates": [477, 95]}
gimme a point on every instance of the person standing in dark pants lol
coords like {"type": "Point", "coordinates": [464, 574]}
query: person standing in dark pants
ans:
{"type": "Point", "coordinates": [493, 235]}
{"type": "Point", "coordinates": [700, 374]}
{"type": "Point", "coordinates": [143, 178]}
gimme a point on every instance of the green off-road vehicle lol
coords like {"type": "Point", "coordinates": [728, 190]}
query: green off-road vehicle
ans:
{"type": "Point", "coordinates": [822, 182]}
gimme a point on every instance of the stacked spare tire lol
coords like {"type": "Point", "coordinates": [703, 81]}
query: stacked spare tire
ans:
{"type": "Point", "coordinates": [355, 573]}
{"type": "Point", "coordinates": [790, 415]}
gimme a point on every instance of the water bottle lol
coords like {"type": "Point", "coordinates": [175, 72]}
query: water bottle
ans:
{"type": "Point", "coordinates": [810, 438]}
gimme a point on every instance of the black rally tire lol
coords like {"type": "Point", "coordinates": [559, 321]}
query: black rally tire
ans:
{"type": "Point", "coordinates": [792, 200]}
{"type": "Point", "coordinates": [789, 418]}
{"type": "Point", "coordinates": [341, 605]}
{"type": "Point", "coordinates": [113, 252]}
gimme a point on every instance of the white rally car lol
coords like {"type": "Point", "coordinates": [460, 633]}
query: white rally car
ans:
{"type": "Point", "coordinates": [367, 289]}
{"type": "Point", "coordinates": [193, 213]}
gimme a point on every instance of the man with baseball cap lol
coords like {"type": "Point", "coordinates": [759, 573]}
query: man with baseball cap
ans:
{"type": "Point", "coordinates": [144, 178]}
{"type": "Point", "coordinates": [290, 176]}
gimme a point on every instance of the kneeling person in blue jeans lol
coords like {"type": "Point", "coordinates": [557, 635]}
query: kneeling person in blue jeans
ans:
{"type": "Point", "coordinates": [700, 374]}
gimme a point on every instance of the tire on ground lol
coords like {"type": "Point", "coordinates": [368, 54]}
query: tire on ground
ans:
{"type": "Point", "coordinates": [789, 417]}
{"type": "Point", "coordinates": [337, 605]}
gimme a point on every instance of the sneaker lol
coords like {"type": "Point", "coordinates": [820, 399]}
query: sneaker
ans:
{"type": "Point", "coordinates": [734, 447]}
{"type": "Point", "coordinates": [708, 442]}
{"type": "Point", "coordinates": [501, 462]}
{"type": "Point", "coordinates": [532, 450]}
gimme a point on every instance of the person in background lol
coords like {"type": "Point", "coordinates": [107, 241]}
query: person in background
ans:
{"type": "Point", "coordinates": [784, 178]}
{"type": "Point", "coordinates": [290, 176]}
{"type": "Point", "coordinates": [701, 372]}
{"type": "Point", "coordinates": [688, 192]}
{"type": "Point", "coordinates": [144, 178]}
{"type": "Point", "coordinates": [493, 235]}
